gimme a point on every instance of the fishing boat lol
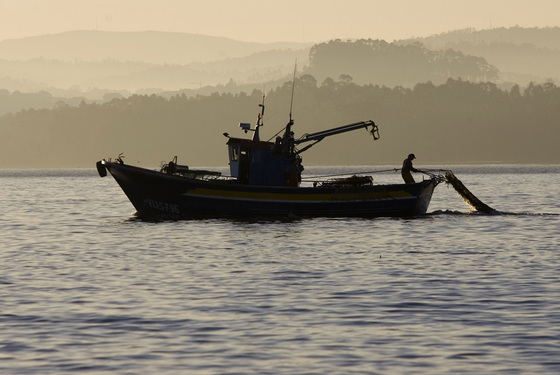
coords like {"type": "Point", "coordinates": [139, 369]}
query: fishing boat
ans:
{"type": "Point", "coordinates": [265, 180]}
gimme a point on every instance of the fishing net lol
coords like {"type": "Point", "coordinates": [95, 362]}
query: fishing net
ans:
{"type": "Point", "coordinates": [469, 197]}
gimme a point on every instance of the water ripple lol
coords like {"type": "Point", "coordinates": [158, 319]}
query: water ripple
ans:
{"type": "Point", "coordinates": [89, 288]}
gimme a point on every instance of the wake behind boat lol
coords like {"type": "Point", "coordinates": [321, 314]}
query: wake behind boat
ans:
{"type": "Point", "coordinates": [265, 180]}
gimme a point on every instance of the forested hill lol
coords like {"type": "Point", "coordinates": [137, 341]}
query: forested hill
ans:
{"type": "Point", "coordinates": [447, 105]}
{"type": "Point", "coordinates": [540, 37]}
{"type": "Point", "coordinates": [91, 64]}
{"type": "Point", "coordinates": [455, 122]}
{"type": "Point", "coordinates": [362, 61]}
{"type": "Point", "coordinates": [520, 54]}
{"type": "Point", "coordinates": [392, 64]}
{"type": "Point", "coordinates": [153, 47]}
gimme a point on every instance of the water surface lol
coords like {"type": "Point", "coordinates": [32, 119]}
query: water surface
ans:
{"type": "Point", "coordinates": [87, 288]}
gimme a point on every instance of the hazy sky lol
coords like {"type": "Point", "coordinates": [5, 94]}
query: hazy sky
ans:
{"type": "Point", "coordinates": [271, 21]}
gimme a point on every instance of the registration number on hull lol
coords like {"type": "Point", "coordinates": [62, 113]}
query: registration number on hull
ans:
{"type": "Point", "coordinates": [162, 206]}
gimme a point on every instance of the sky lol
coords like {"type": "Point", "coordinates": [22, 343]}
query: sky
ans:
{"type": "Point", "coordinates": [267, 21]}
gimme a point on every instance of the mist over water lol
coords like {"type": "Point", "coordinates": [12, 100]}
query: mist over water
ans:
{"type": "Point", "coordinates": [88, 288]}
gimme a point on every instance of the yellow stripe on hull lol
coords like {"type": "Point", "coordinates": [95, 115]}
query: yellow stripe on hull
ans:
{"type": "Point", "coordinates": [232, 194]}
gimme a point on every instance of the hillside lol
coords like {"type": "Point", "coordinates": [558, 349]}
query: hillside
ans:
{"type": "Point", "coordinates": [547, 37]}
{"type": "Point", "coordinates": [91, 64]}
{"type": "Point", "coordinates": [521, 55]}
{"type": "Point", "coordinates": [83, 77]}
{"type": "Point", "coordinates": [151, 47]}
{"type": "Point", "coordinates": [457, 122]}
{"type": "Point", "coordinates": [392, 64]}
{"type": "Point", "coordinates": [448, 105]}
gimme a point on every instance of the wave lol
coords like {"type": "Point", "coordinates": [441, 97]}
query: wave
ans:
{"type": "Point", "coordinates": [490, 213]}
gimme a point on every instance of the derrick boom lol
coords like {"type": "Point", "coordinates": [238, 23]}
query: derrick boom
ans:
{"type": "Point", "coordinates": [319, 136]}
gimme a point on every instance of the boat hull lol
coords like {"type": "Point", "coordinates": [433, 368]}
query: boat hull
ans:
{"type": "Point", "coordinates": [156, 194]}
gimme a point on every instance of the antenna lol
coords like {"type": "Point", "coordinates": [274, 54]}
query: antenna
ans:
{"type": "Point", "coordinates": [288, 139]}
{"type": "Point", "coordinates": [293, 86]}
{"type": "Point", "coordinates": [260, 115]}
{"type": "Point", "coordinates": [256, 135]}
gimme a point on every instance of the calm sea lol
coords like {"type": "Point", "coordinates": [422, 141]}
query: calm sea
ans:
{"type": "Point", "coordinates": [85, 287]}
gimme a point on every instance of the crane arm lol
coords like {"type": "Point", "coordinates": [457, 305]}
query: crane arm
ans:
{"type": "Point", "coordinates": [319, 136]}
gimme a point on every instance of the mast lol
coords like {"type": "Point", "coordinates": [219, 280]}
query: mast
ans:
{"type": "Point", "coordinates": [288, 134]}
{"type": "Point", "coordinates": [260, 115]}
{"type": "Point", "coordinates": [292, 97]}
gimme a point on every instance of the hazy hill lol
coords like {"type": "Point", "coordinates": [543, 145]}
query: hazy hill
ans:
{"type": "Point", "coordinates": [91, 63]}
{"type": "Point", "coordinates": [393, 64]}
{"type": "Point", "coordinates": [521, 54]}
{"type": "Point", "coordinates": [17, 101]}
{"type": "Point", "coordinates": [41, 74]}
{"type": "Point", "coordinates": [148, 47]}
{"type": "Point", "coordinates": [503, 56]}
{"type": "Point", "coordinates": [547, 37]}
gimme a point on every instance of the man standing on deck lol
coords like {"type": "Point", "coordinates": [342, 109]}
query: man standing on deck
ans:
{"type": "Point", "coordinates": [407, 168]}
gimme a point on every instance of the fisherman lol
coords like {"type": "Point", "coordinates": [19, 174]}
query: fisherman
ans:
{"type": "Point", "coordinates": [407, 168]}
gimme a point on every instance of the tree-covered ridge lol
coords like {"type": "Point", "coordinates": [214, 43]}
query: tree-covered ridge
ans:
{"type": "Point", "coordinates": [504, 56]}
{"type": "Point", "coordinates": [540, 37]}
{"type": "Point", "coordinates": [455, 122]}
{"type": "Point", "coordinates": [521, 54]}
{"type": "Point", "coordinates": [392, 64]}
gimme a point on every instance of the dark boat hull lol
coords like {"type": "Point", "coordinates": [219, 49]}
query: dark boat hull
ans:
{"type": "Point", "coordinates": [156, 194]}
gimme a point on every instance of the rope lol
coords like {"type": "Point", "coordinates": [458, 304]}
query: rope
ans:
{"type": "Point", "coordinates": [346, 174]}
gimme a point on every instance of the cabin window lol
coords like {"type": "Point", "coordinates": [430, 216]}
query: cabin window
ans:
{"type": "Point", "coordinates": [234, 154]}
